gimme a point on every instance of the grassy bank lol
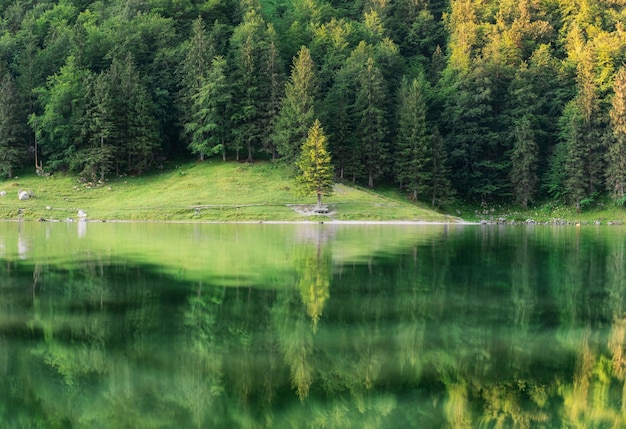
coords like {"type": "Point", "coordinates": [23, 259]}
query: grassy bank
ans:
{"type": "Point", "coordinates": [209, 191]}
{"type": "Point", "coordinates": [602, 211]}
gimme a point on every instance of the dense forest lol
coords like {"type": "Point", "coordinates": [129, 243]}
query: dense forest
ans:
{"type": "Point", "coordinates": [508, 100]}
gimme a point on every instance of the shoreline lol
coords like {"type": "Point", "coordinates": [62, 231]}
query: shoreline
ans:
{"type": "Point", "coordinates": [455, 221]}
{"type": "Point", "coordinates": [253, 222]}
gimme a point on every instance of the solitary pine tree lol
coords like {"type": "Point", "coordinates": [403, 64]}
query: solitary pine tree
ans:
{"type": "Point", "coordinates": [616, 157]}
{"type": "Point", "coordinates": [314, 164]}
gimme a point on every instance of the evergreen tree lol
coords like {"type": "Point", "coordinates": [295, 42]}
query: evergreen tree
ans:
{"type": "Point", "coordinates": [208, 122]}
{"type": "Point", "coordinates": [274, 85]}
{"type": "Point", "coordinates": [126, 114]}
{"type": "Point", "coordinates": [524, 161]}
{"type": "Point", "coordinates": [314, 164]}
{"type": "Point", "coordinates": [298, 107]}
{"type": "Point", "coordinates": [440, 177]}
{"type": "Point", "coordinates": [575, 151]}
{"type": "Point", "coordinates": [369, 110]}
{"type": "Point", "coordinates": [11, 128]}
{"type": "Point", "coordinates": [337, 113]}
{"type": "Point", "coordinates": [195, 69]}
{"type": "Point", "coordinates": [143, 132]}
{"type": "Point", "coordinates": [254, 54]}
{"type": "Point", "coordinates": [413, 144]}
{"type": "Point", "coordinates": [97, 157]}
{"type": "Point", "coordinates": [616, 155]}
{"type": "Point", "coordinates": [525, 151]}
{"type": "Point", "coordinates": [583, 134]}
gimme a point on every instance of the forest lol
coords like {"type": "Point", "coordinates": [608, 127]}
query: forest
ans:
{"type": "Point", "coordinates": [483, 100]}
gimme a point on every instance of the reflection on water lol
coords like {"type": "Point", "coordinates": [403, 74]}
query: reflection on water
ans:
{"type": "Point", "coordinates": [319, 326]}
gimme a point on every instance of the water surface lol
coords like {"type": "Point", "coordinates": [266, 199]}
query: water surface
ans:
{"type": "Point", "coordinates": [324, 326]}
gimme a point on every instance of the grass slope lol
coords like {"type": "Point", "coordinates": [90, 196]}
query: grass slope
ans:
{"type": "Point", "coordinates": [209, 191]}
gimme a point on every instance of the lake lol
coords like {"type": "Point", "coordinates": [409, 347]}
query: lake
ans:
{"type": "Point", "coordinates": [133, 325]}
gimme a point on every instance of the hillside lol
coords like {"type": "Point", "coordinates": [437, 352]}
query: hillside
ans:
{"type": "Point", "coordinates": [495, 101]}
{"type": "Point", "coordinates": [208, 191]}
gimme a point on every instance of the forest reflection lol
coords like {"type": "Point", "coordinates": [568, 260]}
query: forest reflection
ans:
{"type": "Point", "coordinates": [475, 327]}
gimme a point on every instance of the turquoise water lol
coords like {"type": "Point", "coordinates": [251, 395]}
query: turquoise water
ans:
{"type": "Point", "coordinates": [321, 326]}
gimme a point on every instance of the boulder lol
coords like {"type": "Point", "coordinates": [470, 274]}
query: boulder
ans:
{"type": "Point", "coordinates": [3, 193]}
{"type": "Point", "coordinates": [24, 195]}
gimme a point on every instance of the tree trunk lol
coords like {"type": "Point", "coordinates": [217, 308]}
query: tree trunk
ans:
{"type": "Point", "coordinates": [250, 159]}
{"type": "Point", "coordinates": [370, 182]}
{"type": "Point", "coordinates": [415, 194]}
{"type": "Point", "coordinates": [319, 200]}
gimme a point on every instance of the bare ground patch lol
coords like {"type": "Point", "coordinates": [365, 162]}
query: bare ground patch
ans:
{"type": "Point", "coordinates": [311, 210]}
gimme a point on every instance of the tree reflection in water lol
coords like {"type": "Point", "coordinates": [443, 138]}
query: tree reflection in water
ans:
{"type": "Point", "coordinates": [474, 327]}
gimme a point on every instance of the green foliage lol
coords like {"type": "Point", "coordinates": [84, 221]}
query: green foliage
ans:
{"type": "Point", "coordinates": [524, 161]}
{"type": "Point", "coordinates": [616, 154]}
{"type": "Point", "coordinates": [59, 126]}
{"type": "Point", "coordinates": [413, 154]}
{"type": "Point", "coordinates": [297, 111]}
{"type": "Point", "coordinates": [12, 145]}
{"type": "Point", "coordinates": [254, 57]}
{"type": "Point", "coordinates": [315, 165]}
{"type": "Point", "coordinates": [369, 111]}
{"type": "Point", "coordinates": [116, 86]}
{"type": "Point", "coordinates": [207, 123]}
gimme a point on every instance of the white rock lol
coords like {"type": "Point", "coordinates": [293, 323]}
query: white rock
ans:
{"type": "Point", "coordinates": [23, 195]}
{"type": "Point", "coordinates": [3, 193]}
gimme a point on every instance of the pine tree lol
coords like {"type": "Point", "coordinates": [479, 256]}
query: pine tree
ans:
{"type": "Point", "coordinates": [298, 107]}
{"type": "Point", "coordinates": [582, 132]}
{"type": "Point", "coordinates": [413, 144]}
{"type": "Point", "coordinates": [616, 156]}
{"type": "Point", "coordinates": [195, 69]}
{"type": "Point", "coordinates": [254, 53]}
{"type": "Point", "coordinates": [127, 116]}
{"type": "Point", "coordinates": [336, 111]}
{"type": "Point", "coordinates": [524, 161]}
{"type": "Point", "coordinates": [275, 90]}
{"type": "Point", "coordinates": [207, 125]}
{"type": "Point", "coordinates": [572, 133]}
{"type": "Point", "coordinates": [11, 128]}
{"type": "Point", "coordinates": [440, 176]}
{"type": "Point", "coordinates": [369, 109]}
{"type": "Point", "coordinates": [315, 165]}
{"type": "Point", "coordinates": [97, 157]}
